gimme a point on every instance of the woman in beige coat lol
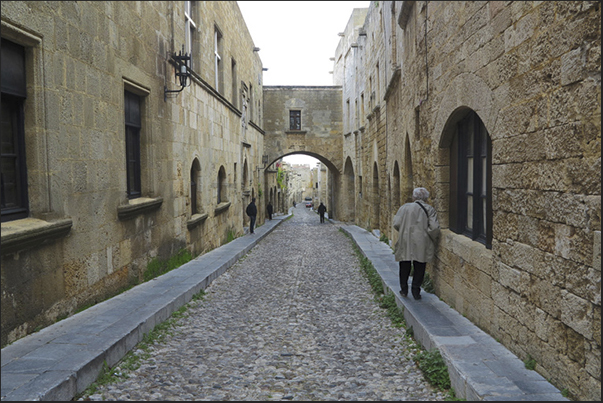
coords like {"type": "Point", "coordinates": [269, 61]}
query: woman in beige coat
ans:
{"type": "Point", "coordinates": [419, 230]}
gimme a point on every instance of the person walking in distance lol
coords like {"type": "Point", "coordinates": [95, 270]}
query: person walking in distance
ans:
{"type": "Point", "coordinates": [322, 210]}
{"type": "Point", "coordinates": [269, 210]}
{"type": "Point", "coordinates": [252, 212]}
{"type": "Point", "coordinates": [419, 231]}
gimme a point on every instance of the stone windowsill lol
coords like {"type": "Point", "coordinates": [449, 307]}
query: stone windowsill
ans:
{"type": "Point", "coordinates": [140, 205]}
{"type": "Point", "coordinates": [221, 207]}
{"type": "Point", "coordinates": [30, 232]}
{"type": "Point", "coordinates": [195, 220]}
{"type": "Point", "coordinates": [296, 131]}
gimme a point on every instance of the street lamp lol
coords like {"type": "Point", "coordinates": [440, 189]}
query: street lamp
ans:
{"type": "Point", "coordinates": [182, 70]}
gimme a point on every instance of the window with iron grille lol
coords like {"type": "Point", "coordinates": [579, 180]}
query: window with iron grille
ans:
{"type": "Point", "coordinates": [13, 171]}
{"type": "Point", "coordinates": [132, 108]}
{"type": "Point", "coordinates": [295, 120]}
{"type": "Point", "coordinates": [471, 180]}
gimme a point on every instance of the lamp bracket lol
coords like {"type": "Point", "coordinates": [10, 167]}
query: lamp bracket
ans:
{"type": "Point", "coordinates": [182, 62]}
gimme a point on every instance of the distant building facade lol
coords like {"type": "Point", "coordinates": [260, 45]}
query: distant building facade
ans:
{"type": "Point", "coordinates": [495, 108]}
{"type": "Point", "coordinates": [104, 171]}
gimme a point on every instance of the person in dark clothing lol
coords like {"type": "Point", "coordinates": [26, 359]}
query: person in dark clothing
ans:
{"type": "Point", "coordinates": [252, 212]}
{"type": "Point", "coordinates": [322, 210]}
{"type": "Point", "coordinates": [269, 210]}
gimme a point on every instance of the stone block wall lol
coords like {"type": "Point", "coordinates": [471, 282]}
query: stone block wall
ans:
{"type": "Point", "coordinates": [84, 239]}
{"type": "Point", "coordinates": [531, 73]}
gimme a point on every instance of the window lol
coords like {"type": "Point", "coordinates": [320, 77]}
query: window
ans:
{"type": "Point", "coordinates": [251, 107]}
{"type": "Point", "coordinates": [376, 90]}
{"type": "Point", "coordinates": [222, 185]}
{"type": "Point", "coordinates": [190, 27]}
{"type": "Point", "coordinates": [233, 75]}
{"type": "Point", "coordinates": [362, 115]}
{"type": "Point", "coordinates": [295, 120]}
{"type": "Point", "coordinates": [133, 125]}
{"type": "Point", "coordinates": [13, 171]}
{"type": "Point", "coordinates": [218, 60]}
{"type": "Point", "coordinates": [195, 178]}
{"type": "Point", "coordinates": [348, 119]}
{"type": "Point", "coordinates": [471, 180]}
{"type": "Point", "coordinates": [356, 121]}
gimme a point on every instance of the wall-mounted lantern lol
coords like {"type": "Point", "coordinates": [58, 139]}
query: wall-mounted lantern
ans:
{"type": "Point", "coordinates": [183, 71]}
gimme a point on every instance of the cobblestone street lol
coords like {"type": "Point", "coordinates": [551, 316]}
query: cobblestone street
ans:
{"type": "Point", "coordinates": [293, 320]}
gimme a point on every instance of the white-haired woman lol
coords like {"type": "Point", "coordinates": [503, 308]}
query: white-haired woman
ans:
{"type": "Point", "coordinates": [419, 230]}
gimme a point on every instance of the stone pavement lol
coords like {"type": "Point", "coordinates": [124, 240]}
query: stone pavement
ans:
{"type": "Point", "coordinates": [295, 319]}
{"type": "Point", "coordinates": [63, 359]}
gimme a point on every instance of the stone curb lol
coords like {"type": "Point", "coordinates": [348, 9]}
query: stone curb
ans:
{"type": "Point", "coordinates": [480, 368]}
{"type": "Point", "coordinates": [63, 359]}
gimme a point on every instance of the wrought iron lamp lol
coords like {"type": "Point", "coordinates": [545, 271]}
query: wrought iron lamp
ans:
{"type": "Point", "coordinates": [183, 71]}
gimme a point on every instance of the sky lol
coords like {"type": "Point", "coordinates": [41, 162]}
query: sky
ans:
{"type": "Point", "coordinates": [297, 39]}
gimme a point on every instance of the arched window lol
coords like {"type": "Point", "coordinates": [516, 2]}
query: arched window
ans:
{"type": "Point", "coordinates": [397, 201]}
{"type": "Point", "coordinates": [222, 185]}
{"type": "Point", "coordinates": [195, 177]}
{"type": "Point", "coordinates": [244, 182]}
{"type": "Point", "coordinates": [471, 180]}
{"type": "Point", "coordinates": [376, 198]}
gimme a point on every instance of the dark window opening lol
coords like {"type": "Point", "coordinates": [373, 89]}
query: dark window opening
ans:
{"type": "Point", "coordinates": [13, 169]}
{"type": "Point", "coordinates": [133, 126]}
{"type": "Point", "coordinates": [471, 181]}
{"type": "Point", "coordinates": [295, 120]}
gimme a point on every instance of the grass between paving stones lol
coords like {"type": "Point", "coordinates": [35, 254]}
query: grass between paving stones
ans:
{"type": "Point", "coordinates": [133, 358]}
{"type": "Point", "coordinates": [157, 267]}
{"type": "Point", "coordinates": [429, 362]}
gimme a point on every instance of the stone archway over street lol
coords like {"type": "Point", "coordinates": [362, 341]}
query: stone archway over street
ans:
{"type": "Point", "coordinates": [306, 120]}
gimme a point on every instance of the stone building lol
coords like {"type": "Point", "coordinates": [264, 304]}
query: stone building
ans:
{"type": "Point", "coordinates": [108, 165]}
{"type": "Point", "coordinates": [306, 120]}
{"type": "Point", "coordinates": [495, 107]}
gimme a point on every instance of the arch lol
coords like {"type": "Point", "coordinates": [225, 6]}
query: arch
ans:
{"type": "Point", "coordinates": [245, 179]}
{"type": "Point", "coordinates": [396, 196]}
{"type": "Point", "coordinates": [473, 93]}
{"type": "Point", "coordinates": [328, 163]}
{"type": "Point", "coordinates": [376, 198]}
{"type": "Point", "coordinates": [221, 188]}
{"type": "Point", "coordinates": [470, 175]}
{"type": "Point", "coordinates": [349, 191]}
{"type": "Point", "coordinates": [195, 178]}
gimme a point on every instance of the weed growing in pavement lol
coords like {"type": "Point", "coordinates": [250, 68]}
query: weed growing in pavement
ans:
{"type": "Point", "coordinates": [230, 235]}
{"type": "Point", "coordinates": [434, 368]}
{"type": "Point", "coordinates": [384, 239]}
{"type": "Point", "coordinates": [157, 267]}
{"type": "Point", "coordinates": [530, 363]}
